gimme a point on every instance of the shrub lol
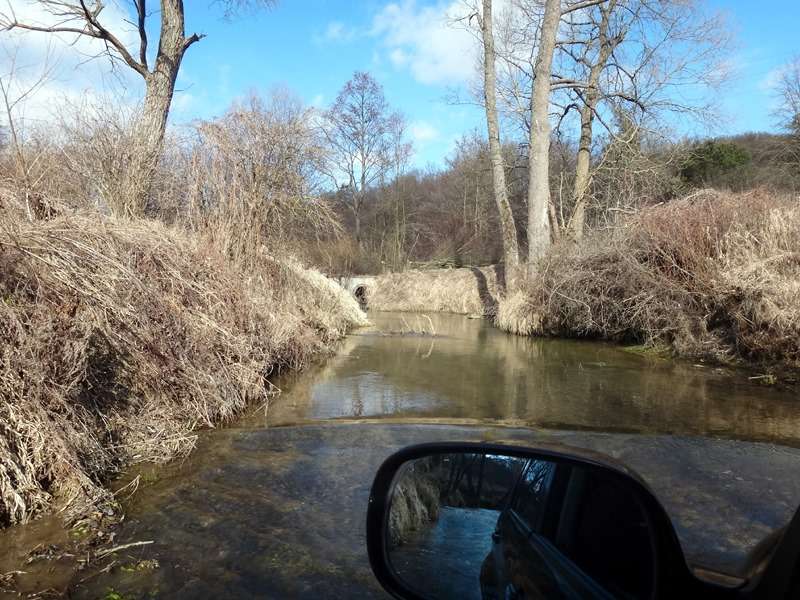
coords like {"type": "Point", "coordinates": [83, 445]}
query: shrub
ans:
{"type": "Point", "coordinates": [708, 161]}
{"type": "Point", "coordinates": [712, 275]}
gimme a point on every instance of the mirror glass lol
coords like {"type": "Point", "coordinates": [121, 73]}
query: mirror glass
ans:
{"type": "Point", "coordinates": [497, 527]}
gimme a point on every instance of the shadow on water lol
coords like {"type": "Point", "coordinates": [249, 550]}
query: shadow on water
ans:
{"type": "Point", "coordinates": [266, 509]}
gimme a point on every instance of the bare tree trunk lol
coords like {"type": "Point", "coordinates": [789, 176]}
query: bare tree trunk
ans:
{"type": "Point", "coordinates": [151, 126]}
{"type": "Point", "coordinates": [582, 164]}
{"type": "Point", "coordinates": [539, 154]}
{"type": "Point", "coordinates": [358, 229]}
{"type": "Point", "coordinates": [507, 225]}
{"type": "Point", "coordinates": [590, 100]}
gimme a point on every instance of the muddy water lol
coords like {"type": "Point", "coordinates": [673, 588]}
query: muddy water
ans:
{"type": "Point", "coordinates": [267, 508]}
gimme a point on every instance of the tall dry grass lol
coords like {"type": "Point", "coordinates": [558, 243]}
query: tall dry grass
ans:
{"type": "Point", "coordinates": [120, 338]}
{"type": "Point", "coordinates": [712, 275]}
{"type": "Point", "coordinates": [415, 504]}
{"type": "Point", "coordinates": [469, 291]}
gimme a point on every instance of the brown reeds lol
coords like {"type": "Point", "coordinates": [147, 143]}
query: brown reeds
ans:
{"type": "Point", "coordinates": [469, 291]}
{"type": "Point", "coordinates": [120, 338]}
{"type": "Point", "coordinates": [713, 275]}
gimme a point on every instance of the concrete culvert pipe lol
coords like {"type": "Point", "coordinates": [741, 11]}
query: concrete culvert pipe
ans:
{"type": "Point", "coordinates": [361, 295]}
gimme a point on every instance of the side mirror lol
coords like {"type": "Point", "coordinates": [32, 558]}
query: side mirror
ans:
{"type": "Point", "coordinates": [462, 520]}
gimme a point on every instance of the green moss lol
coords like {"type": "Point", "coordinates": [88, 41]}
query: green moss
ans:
{"type": "Point", "coordinates": [79, 532]}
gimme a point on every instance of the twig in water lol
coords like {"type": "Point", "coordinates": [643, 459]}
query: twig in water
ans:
{"type": "Point", "coordinates": [122, 547]}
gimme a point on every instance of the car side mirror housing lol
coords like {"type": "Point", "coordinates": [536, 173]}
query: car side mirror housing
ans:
{"type": "Point", "coordinates": [489, 521]}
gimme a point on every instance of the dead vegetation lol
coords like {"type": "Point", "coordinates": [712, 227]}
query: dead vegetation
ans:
{"type": "Point", "coordinates": [468, 291]}
{"type": "Point", "coordinates": [120, 338]}
{"type": "Point", "coordinates": [713, 275]}
{"type": "Point", "coordinates": [415, 503]}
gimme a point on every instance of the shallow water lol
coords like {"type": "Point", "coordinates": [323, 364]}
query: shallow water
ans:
{"type": "Point", "coordinates": [269, 509]}
{"type": "Point", "coordinates": [471, 370]}
{"type": "Point", "coordinates": [444, 560]}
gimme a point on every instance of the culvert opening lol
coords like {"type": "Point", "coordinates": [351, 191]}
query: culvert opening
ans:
{"type": "Point", "coordinates": [361, 295]}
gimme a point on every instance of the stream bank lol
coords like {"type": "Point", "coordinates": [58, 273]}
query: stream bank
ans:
{"type": "Point", "coordinates": [713, 277]}
{"type": "Point", "coordinates": [120, 338]}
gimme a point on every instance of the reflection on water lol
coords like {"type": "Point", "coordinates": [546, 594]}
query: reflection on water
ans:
{"type": "Point", "coordinates": [444, 561]}
{"type": "Point", "coordinates": [470, 370]}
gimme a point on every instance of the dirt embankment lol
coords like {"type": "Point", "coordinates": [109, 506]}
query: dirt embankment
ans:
{"type": "Point", "coordinates": [468, 291]}
{"type": "Point", "coordinates": [120, 338]}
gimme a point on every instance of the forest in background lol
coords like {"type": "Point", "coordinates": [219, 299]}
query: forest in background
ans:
{"type": "Point", "coordinates": [335, 186]}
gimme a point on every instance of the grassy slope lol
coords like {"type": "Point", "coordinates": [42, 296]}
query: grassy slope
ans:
{"type": "Point", "coordinates": [119, 338]}
{"type": "Point", "coordinates": [463, 291]}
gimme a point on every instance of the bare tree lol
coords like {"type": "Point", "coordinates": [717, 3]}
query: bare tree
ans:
{"type": "Point", "coordinates": [15, 90]}
{"type": "Point", "coordinates": [507, 224]}
{"type": "Point", "coordinates": [539, 138]}
{"type": "Point", "coordinates": [401, 151]}
{"type": "Point", "coordinates": [361, 132]}
{"type": "Point", "coordinates": [788, 112]}
{"type": "Point", "coordinates": [645, 57]}
{"type": "Point", "coordinates": [253, 175]}
{"type": "Point", "coordinates": [83, 18]}
{"type": "Point", "coordinates": [595, 56]}
{"type": "Point", "coordinates": [642, 57]}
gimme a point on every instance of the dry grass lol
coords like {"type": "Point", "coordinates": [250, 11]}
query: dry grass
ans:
{"type": "Point", "coordinates": [469, 291]}
{"type": "Point", "coordinates": [760, 285]}
{"type": "Point", "coordinates": [415, 503]}
{"type": "Point", "coordinates": [713, 275]}
{"type": "Point", "coordinates": [120, 338]}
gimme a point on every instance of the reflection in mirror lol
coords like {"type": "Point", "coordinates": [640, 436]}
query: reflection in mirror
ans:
{"type": "Point", "coordinates": [495, 527]}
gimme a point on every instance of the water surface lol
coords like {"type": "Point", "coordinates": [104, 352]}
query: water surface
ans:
{"type": "Point", "coordinates": [470, 370]}
{"type": "Point", "coordinates": [274, 505]}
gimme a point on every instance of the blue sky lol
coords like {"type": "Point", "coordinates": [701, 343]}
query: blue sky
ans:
{"type": "Point", "coordinates": [313, 47]}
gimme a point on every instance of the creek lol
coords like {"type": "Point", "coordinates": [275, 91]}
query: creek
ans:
{"type": "Point", "coordinates": [274, 504]}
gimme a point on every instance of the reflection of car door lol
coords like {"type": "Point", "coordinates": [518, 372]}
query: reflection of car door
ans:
{"type": "Point", "coordinates": [517, 575]}
{"type": "Point", "coordinates": [528, 563]}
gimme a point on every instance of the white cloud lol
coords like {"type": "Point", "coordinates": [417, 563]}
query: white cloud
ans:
{"type": "Point", "coordinates": [771, 80]}
{"type": "Point", "coordinates": [336, 31]}
{"type": "Point", "coordinates": [422, 132]}
{"type": "Point", "coordinates": [425, 40]}
{"type": "Point", "coordinates": [183, 103]}
{"type": "Point", "coordinates": [398, 57]}
{"type": "Point", "coordinates": [74, 67]}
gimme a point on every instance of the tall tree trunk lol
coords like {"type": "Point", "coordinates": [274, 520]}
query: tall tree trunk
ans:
{"type": "Point", "coordinates": [590, 99]}
{"type": "Point", "coordinates": [539, 154]}
{"type": "Point", "coordinates": [357, 225]}
{"type": "Point", "coordinates": [582, 164]}
{"type": "Point", "coordinates": [507, 225]}
{"type": "Point", "coordinates": [148, 135]}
